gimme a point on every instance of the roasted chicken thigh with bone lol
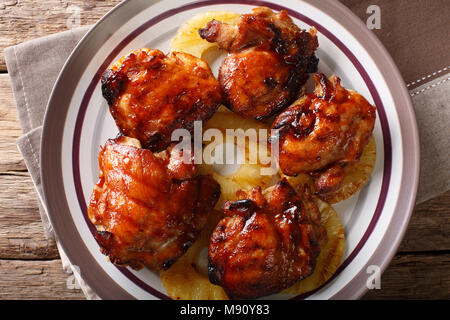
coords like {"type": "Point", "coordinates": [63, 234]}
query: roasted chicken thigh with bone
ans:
{"type": "Point", "coordinates": [265, 243]}
{"type": "Point", "coordinates": [148, 209]}
{"type": "Point", "coordinates": [151, 94]}
{"type": "Point", "coordinates": [323, 132]}
{"type": "Point", "coordinates": [269, 60]}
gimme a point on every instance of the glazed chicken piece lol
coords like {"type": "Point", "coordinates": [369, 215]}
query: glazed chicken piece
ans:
{"type": "Point", "coordinates": [323, 132]}
{"type": "Point", "coordinates": [148, 209]}
{"type": "Point", "coordinates": [151, 94]}
{"type": "Point", "coordinates": [265, 243]}
{"type": "Point", "coordinates": [269, 61]}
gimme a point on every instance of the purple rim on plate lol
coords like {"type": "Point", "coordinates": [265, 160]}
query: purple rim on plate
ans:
{"type": "Point", "coordinates": [322, 30]}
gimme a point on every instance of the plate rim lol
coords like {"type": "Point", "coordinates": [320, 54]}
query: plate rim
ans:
{"type": "Point", "coordinates": [366, 39]}
{"type": "Point", "coordinates": [410, 146]}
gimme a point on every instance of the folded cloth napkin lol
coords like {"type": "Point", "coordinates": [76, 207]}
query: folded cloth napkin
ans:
{"type": "Point", "coordinates": [29, 62]}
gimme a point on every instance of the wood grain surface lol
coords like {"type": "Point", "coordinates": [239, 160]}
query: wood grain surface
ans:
{"type": "Point", "coordinates": [29, 263]}
{"type": "Point", "coordinates": [28, 19]}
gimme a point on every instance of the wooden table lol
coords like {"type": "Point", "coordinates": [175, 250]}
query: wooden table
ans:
{"type": "Point", "coordinates": [29, 264]}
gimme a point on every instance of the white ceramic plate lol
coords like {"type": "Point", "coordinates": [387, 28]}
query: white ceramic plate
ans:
{"type": "Point", "coordinates": [78, 122]}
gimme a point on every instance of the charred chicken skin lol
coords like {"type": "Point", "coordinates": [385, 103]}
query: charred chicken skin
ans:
{"type": "Point", "coordinates": [265, 244]}
{"type": "Point", "coordinates": [323, 132]}
{"type": "Point", "coordinates": [148, 209]}
{"type": "Point", "coordinates": [151, 94]}
{"type": "Point", "coordinates": [269, 60]}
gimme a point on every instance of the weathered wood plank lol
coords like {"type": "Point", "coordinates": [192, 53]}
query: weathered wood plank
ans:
{"type": "Point", "coordinates": [10, 157]}
{"type": "Point", "coordinates": [21, 232]}
{"type": "Point", "coordinates": [415, 276]}
{"type": "Point", "coordinates": [18, 200]}
{"type": "Point", "coordinates": [29, 19]}
{"type": "Point", "coordinates": [26, 242]}
{"type": "Point", "coordinates": [36, 280]}
{"type": "Point", "coordinates": [429, 227]}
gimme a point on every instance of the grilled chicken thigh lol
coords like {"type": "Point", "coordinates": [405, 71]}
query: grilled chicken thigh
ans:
{"type": "Point", "coordinates": [269, 60]}
{"type": "Point", "coordinates": [151, 94]}
{"type": "Point", "coordinates": [265, 243]}
{"type": "Point", "coordinates": [148, 209]}
{"type": "Point", "coordinates": [323, 132]}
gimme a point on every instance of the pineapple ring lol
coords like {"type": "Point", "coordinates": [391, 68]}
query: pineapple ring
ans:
{"type": "Point", "coordinates": [355, 176]}
{"type": "Point", "coordinates": [248, 174]}
{"type": "Point", "coordinates": [187, 38]}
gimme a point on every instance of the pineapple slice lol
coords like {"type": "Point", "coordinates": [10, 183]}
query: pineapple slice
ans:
{"type": "Point", "coordinates": [187, 38]}
{"type": "Point", "coordinates": [330, 255]}
{"type": "Point", "coordinates": [248, 174]}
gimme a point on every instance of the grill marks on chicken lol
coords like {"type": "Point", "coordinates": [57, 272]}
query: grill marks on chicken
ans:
{"type": "Point", "coordinates": [323, 132]}
{"type": "Point", "coordinates": [269, 60]}
{"type": "Point", "coordinates": [265, 243]}
{"type": "Point", "coordinates": [148, 209]}
{"type": "Point", "coordinates": [151, 94]}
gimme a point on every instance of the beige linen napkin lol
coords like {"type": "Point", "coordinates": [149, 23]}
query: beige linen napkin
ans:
{"type": "Point", "coordinates": [34, 66]}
